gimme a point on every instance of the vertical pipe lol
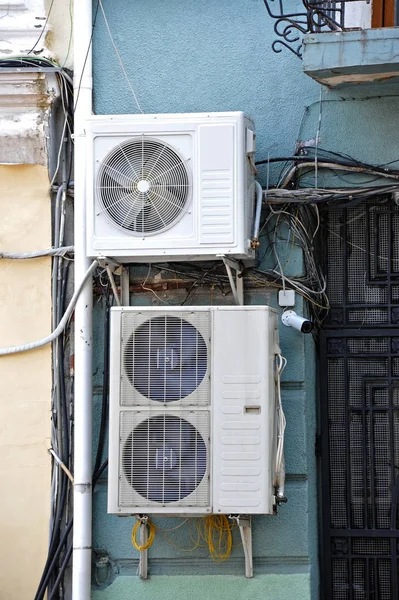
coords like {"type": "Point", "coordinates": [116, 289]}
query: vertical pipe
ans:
{"type": "Point", "coordinates": [82, 510]}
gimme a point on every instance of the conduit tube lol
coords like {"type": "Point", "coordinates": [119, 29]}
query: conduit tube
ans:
{"type": "Point", "coordinates": [82, 496]}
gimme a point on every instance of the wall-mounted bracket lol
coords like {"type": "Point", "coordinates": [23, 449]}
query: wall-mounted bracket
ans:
{"type": "Point", "coordinates": [237, 286]}
{"type": "Point", "coordinates": [105, 263]}
{"type": "Point", "coordinates": [143, 561]}
{"type": "Point", "coordinates": [245, 525]}
{"type": "Point", "coordinates": [111, 266]}
{"type": "Point", "coordinates": [125, 286]}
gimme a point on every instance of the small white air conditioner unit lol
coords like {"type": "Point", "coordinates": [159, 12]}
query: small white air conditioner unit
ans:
{"type": "Point", "coordinates": [170, 187]}
{"type": "Point", "coordinates": [193, 424]}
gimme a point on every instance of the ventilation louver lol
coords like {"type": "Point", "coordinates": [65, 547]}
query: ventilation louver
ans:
{"type": "Point", "coordinates": [143, 185]}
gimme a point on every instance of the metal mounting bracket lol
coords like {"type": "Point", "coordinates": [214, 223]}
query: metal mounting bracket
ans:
{"type": "Point", "coordinates": [105, 263]}
{"type": "Point", "coordinates": [237, 286]}
{"type": "Point", "coordinates": [111, 266]}
{"type": "Point", "coordinates": [245, 525]}
{"type": "Point", "coordinates": [143, 560]}
{"type": "Point", "coordinates": [125, 283]}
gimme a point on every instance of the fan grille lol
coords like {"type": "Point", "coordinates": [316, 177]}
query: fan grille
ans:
{"type": "Point", "coordinates": [164, 459]}
{"type": "Point", "coordinates": [143, 186]}
{"type": "Point", "coordinates": [165, 358]}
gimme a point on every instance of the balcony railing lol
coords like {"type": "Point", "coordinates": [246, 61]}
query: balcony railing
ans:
{"type": "Point", "coordinates": [312, 17]}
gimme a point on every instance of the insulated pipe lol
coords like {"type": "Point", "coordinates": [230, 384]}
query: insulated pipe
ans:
{"type": "Point", "coordinates": [259, 198]}
{"type": "Point", "coordinates": [82, 490]}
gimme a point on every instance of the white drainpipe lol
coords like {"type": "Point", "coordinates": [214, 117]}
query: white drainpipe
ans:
{"type": "Point", "coordinates": [82, 497]}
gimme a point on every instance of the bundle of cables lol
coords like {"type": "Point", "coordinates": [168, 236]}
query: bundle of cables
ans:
{"type": "Point", "coordinates": [212, 531]}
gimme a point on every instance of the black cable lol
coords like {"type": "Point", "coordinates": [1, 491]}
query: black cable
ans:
{"type": "Point", "coordinates": [87, 54]}
{"type": "Point", "coordinates": [61, 367]}
{"type": "Point", "coordinates": [61, 572]}
{"type": "Point", "coordinates": [343, 163]}
{"type": "Point", "coordinates": [104, 405]}
{"type": "Point", "coordinates": [61, 544]}
{"type": "Point", "coordinates": [44, 27]}
{"type": "Point", "coordinates": [64, 417]}
{"type": "Point", "coordinates": [96, 476]}
{"type": "Point", "coordinates": [68, 552]}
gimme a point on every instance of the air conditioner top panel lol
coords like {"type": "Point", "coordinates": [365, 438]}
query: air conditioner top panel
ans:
{"type": "Point", "coordinates": [186, 309]}
{"type": "Point", "coordinates": [168, 117]}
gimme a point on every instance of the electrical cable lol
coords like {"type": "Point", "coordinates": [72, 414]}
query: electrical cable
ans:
{"type": "Point", "coordinates": [120, 59]}
{"type": "Point", "coordinates": [151, 535]}
{"type": "Point", "coordinates": [364, 167]}
{"type": "Point", "coordinates": [217, 534]}
{"type": "Point", "coordinates": [281, 424]}
{"type": "Point", "coordinates": [212, 531]}
{"type": "Point", "coordinates": [63, 567]}
{"type": "Point", "coordinates": [105, 384]}
{"type": "Point", "coordinates": [70, 34]}
{"type": "Point", "coordinates": [64, 251]}
{"type": "Point", "coordinates": [44, 27]}
{"type": "Point", "coordinates": [52, 559]}
{"type": "Point", "coordinates": [52, 563]}
{"type": "Point", "coordinates": [62, 324]}
{"type": "Point", "coordinates": [86, 57]}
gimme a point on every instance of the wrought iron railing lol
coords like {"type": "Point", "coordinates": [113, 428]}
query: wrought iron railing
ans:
{"type": "Point", "coordinates": [313, 16]}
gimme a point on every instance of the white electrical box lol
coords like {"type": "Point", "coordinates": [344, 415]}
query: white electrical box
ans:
{"type": "Point", "coordinates": [193, 410]}
{"type": "Point", "coordinates": [170, 186]}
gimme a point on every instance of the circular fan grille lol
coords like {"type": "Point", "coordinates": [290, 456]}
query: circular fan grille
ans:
{"type": "Point", "coordinates": [164, 458]}
{"type": "Point", "coordinates": [166, 359]}
{"type": "Point", "coordinates": [143, 185]}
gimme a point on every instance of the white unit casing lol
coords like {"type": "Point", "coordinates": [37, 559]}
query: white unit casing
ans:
{"type": "Point", "coordinates": [193, 424]}
{"type": "Point", "coordinates": [170, 186]}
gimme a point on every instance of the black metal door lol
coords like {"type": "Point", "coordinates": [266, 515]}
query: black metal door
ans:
{"type": "Point", "coordinates": [359, 404]}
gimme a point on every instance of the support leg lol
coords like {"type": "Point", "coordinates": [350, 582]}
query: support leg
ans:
{"type": "Point", "coordinates": [125, 281]}
{"type": "Point", "coordinates": [143, 563]}
{"type": "Point", "coordinates": [244, 524]}
{"type": "Point", "coordinates": [237, 285]}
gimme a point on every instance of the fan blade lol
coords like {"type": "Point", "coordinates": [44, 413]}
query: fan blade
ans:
{"type": "Point", "coordinates": [151, 163]}
{"type": "Point", "coordinates": [132, 213]}
{"type": "Point", "coordinates": [118, 176]}
{"type": "Point", "coordinates": [167, 201]}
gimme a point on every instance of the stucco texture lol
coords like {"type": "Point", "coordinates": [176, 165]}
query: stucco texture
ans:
{"type": "Point", "coordinates": [214, 56]}
{"type": "Point", "coordinates": [25, 391]}
{"type": "Point", "coordinates": [268, 587]}
{"type": "Point", "coordinates": [217, 56]}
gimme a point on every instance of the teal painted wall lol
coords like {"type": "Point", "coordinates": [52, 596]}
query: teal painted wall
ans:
{"type": "Point", "coordinates": [213, 55]}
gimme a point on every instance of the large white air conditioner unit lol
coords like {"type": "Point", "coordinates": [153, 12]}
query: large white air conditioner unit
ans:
{"type": "Point", "coordinates": [170, 187]}
{"type": "Point", "coordinates": [193, 410]}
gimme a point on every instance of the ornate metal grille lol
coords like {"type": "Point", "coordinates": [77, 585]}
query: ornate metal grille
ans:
{"type": "Point", "coordinates": [359, 419]}
{"type": "Point", "coordinates": [311, 17]}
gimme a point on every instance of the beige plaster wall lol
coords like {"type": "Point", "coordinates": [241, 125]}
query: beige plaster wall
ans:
{"type": "Point", "coordinates": [59, 39]}
{"type": "Point", "coordinates": [25, 381]}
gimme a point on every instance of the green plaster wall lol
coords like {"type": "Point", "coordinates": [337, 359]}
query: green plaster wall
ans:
{"type": "Point", "coordinates": [215, 587]}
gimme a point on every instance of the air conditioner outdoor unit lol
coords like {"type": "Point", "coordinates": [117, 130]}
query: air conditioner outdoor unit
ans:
{"type": "Point", "coordinates": [170, 187]}
{"type": "Point", "coordinates": [193, 410]}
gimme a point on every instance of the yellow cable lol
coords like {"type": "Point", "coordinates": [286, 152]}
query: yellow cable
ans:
{"type": "Point", "coordinates": [218, 536]}
{"type": "Point", "coordinates": [213, 531]}
{"type": "Point", "coordinates": [151, 536]}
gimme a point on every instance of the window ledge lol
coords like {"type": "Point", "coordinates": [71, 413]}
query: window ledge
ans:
{"type": "Point", "coordinates": [362, 56]}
